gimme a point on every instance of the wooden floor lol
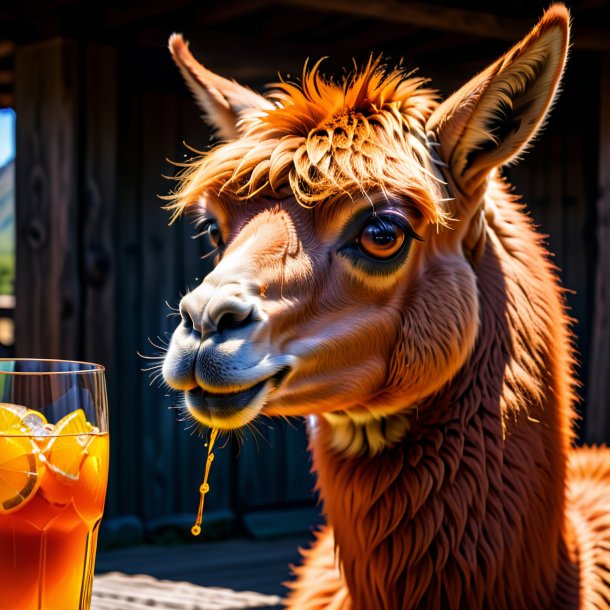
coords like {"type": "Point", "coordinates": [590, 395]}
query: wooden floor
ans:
{"type": "Point", "coordinates": [259, 566]}
{"type": "Point", "coordinates": [118, 591]}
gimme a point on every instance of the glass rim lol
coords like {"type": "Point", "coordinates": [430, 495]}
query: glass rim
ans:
{"type": "Point", "coordinates": [95, 368]}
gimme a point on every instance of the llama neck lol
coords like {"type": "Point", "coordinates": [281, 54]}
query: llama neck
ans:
{"type": "Point", "coordinates": [472, 498]}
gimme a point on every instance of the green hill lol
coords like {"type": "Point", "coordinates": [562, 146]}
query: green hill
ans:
{"type": "Point", "coordinates": [7, 228]}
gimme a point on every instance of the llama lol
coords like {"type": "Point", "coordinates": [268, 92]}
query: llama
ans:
{"type": "Point", "coordinates": [374, 272]}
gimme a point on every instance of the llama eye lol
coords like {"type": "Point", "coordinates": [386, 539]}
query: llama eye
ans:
{"type": "Point", "coordinates": [382, 238]}
{"type": "Point", "coordinates": [214, 234]}
{"type": "Point", "coordinates": [378, 244]}
{"type": "Point", "coordinates": [210, 229]}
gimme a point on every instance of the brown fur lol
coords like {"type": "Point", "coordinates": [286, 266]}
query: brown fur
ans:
{"type": "Point", "coordinates": [442, 389]}
{"type": "Point", "coordinates": [469, 513]}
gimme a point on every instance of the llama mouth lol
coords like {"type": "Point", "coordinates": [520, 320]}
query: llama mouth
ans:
{"type": "Point", "coordinates": [232, 409]}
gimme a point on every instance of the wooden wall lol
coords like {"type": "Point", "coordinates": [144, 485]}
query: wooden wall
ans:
{"type": "Point", "coordinates": [598, 417]}
{"type": "Point", "coordinates": [97, 260]}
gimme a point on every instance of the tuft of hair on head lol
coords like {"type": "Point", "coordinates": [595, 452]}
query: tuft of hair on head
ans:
{"type": "Point", "coordinates": [321, 138]}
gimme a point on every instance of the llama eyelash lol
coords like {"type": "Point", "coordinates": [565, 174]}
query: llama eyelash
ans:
{"type": "Point", "coordinates": [202, 233]}
{"type": "Point", "coordinates": [202, 225]}
{"type": "Point", "coordinates": [208, 229]}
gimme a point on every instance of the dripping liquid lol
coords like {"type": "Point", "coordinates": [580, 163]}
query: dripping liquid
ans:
{"type": "Point", "coordinates": [196, 529]}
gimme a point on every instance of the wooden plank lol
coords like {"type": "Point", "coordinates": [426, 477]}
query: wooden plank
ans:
{"type": "Point", "coordinates": [227, 11]}
{"type": "Point", "coordinates": [576, 260]}
{"type": "Point", "coordinates": [142, 11]}
{"type": "Point", "coordinates": [97, 212]}
{"type": "Point", "coordinates": [258, 466]}
{"type": "Point", "coordinates": [273, 467]}
{"type": "Point", "coordinates": [99, 197]}
{"type": "Point", "coordinates": [47, 287]}
{"type": "Point", "coordinates": [554, 187]}
{"type": "Point", "coordinates": [598, 396]}
{"type": "Point", "coordinates": [425, 15]}
{"type": "Point", "coordinates": [125, 405]}
{"type": "Point", "coordinates": [213, 12]}
{"type": "Point", "coordinates": [270, 524]}
{"type": "Point", "coordinates": [157, 452]}
{"type": "Point", "coordinates": [117, 591]}
{"type": "Point", "coordinates": [299, 480]}
{"type": "Point", "coordinates": [238, 563]}
{"type": "Point", "coordinates": [583, 82]}
{"type": "Point", "coordinates": [529, 180]}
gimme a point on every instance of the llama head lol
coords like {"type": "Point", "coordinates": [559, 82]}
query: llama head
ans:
{"type": "Point", "coordinates": [348, 219]}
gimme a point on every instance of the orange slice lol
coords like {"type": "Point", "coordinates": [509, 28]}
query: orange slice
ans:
{"type": "Point", "coordinates": [91, 489]}
{"type": "Point", "coordinates": [67, 446]}
{"type": "Point", "coordinates": [19, 469]}
{"type": "Point", "coordinates": [10, 416]}
{"type": "Point", "coordinates": [15, 419]}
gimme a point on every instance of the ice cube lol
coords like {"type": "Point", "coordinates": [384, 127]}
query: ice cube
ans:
{"type": "Point", "coordinates": [34, 422]}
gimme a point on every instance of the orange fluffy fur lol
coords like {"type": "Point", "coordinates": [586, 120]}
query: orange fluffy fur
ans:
{"type": "Point", "coordinates": [445, 463]}
{"type": "Point", "coordinates": [486, 505]}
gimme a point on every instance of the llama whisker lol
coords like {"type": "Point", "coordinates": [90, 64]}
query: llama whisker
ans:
{"type": "Point", "coordinates": [155, 367]}
{"type": "Point", "coordinates": [227, 440]}
{"type": "Point", "coordinates": [257, 433]}
{"type": "Point", "coordinates": [252, 431]}
{"type": "Point", "coordinates": [162, 347]}
{"type": "Point", "coordinates": [176, 309]}
{"type": "Point", "coordinates": [238, 435]}
{"type": "Point", "coordinates": [154, 357]}
{"type": "Point", "coordinates": [157, 377]}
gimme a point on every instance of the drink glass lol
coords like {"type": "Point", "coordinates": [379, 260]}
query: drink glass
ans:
{"type": "Point", "coordinates": [53, 474]}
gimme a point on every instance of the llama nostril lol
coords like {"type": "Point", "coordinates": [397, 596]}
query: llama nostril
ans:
{"type": "Point", "coordinates": [229, 314]}
{"type": "Point", "coordinates": [232, 320]}
{"type": "Point", "coordinates": [187, 320]}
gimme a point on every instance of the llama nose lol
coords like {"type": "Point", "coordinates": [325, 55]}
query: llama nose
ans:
{"type": "Point", "coordinates": [226, 309]}
{"type": "Point", "coordinates": [228, 313]}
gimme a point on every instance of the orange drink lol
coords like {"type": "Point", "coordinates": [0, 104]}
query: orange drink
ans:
{"type": "Point", "coordinates": [52, 489]}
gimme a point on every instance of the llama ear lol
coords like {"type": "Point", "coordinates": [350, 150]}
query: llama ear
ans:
{"type": "Point", "coordinates": [491, 119]}
{"type": "Point", "coordinates": [223, 101]}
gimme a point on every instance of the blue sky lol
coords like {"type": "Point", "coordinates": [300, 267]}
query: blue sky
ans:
{"type": "Point", "coordinates": [7, 135]}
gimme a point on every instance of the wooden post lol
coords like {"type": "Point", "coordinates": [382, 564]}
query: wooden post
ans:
{"type": "Point", "coordinates": [98, 202]}
{"type": "Point", "coordinates": [65, 188]}
{"type": "Point", "coordinates": [47, 267]}
{"type": "Point", "coordinates": [598, 394]}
